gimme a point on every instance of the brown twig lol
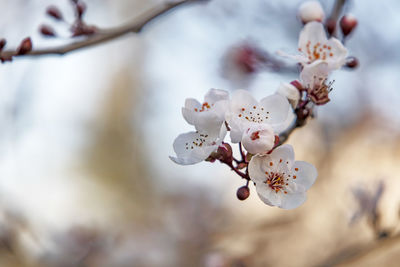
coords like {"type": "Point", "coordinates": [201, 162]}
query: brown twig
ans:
{"type": "Point", "coordinates": [104, 35]}
{"type": "Point", "coordinates": [336, 11]}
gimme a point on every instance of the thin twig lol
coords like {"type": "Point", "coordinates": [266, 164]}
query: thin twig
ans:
{"type": "Point", "coordinates": [105, 35]}
{"type": "Point", "coordinates": [336, 11]}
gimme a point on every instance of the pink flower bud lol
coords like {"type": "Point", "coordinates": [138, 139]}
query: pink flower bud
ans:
{"type": "Point", "coordinates": [311, 11]}
{"type": "Point", "coordinates": [46, 30]}
{"type": "Point", "coordinates": [352, 62]}
{"type": "Point", "coordinates": [54, 12]}
{"type": "Point", "coordinates": [330, 26]}
{"type": "Point", "coordinates": [25, 46]}
{"type": "Point", "coordinates": [243, 193]}
{"type": "Point", "coordinates": [347, 24]}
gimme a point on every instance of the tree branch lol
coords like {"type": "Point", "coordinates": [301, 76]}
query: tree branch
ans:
{"type": "Point", "coordinates": [105, 35]}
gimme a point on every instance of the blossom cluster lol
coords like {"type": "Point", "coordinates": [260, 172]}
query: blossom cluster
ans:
{"type": "Point", "coordinates": [259, 127]}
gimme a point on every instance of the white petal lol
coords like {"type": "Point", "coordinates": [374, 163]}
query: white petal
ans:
{"type": "Point", "coordinates": [258, 167]}
{"type": "Point", "coordinates": [292, 200]}
{"type": "Point", "coordinates": [241, 98]}
{"type": "Point", "coordinates": [306, 173]}
{"type": "Point", "coordinates": [281, 127]}
{"type": "Point", "coordinates": [314, 73]}
{"type": "Point", "coordinates": [256, 171]}
{"type": "Point", "coordinates": [191, 103]}
{"type": "Point", "coordinates": [299, 58]}
{"type": "Point", "coordinates": [278, 108]}
{"type": "Point", "coordinates": [283, 155]}
{"type": "Point", "coordinates": [290, 92]}
{"type": "Point", "coordinates": [188, 152]}
{"type": "Point", "coordinates": [259, 138]}
{"type": "Point", "coordinates": [268, 196]}
{"type": "Point", "coordinates": [214, 95]}
{"type": "Point", "coordinates": [339, 54]}
{"type": "Point", "coordinates": [312, 32]}
{"type": "Point", "coordinates": [220, 108]}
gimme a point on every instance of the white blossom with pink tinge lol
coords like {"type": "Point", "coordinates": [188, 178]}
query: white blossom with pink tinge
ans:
{"type": "Point", "coordinates": [209, 115]}
{"type": "Point", "coordinates": [315, 46]}
{"type": "Point", "coordinates": [280, 180]}
{"type": "Point", "coordinates": [244, 112]}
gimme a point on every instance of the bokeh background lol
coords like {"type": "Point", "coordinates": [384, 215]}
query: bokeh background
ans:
{"type": "Point", "coordinates": [85, 178]}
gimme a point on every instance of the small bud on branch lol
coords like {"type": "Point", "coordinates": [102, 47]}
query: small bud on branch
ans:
{"type": "Point", "coordinates": [243, 192]}
{"type": "Point", "coordinates": [54, 12]}
{"type": "Point", "coordinates": [25, 46]}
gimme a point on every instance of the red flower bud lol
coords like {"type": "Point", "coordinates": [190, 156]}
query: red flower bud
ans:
{"type": "Point", "coordinates": [347, 24]}
{"type": "Point", "coordinates": [25, 46]}
{"type": "Point", "coordinates": [352, 62]}
{"type": "Point", "coordinates": [54, 12]}
{"type": "Point", "coordinates": [47, 31]}
{"type": "Point", "coordinates": [330, 26]}
{"type": "Point", "coordinates": [2, 43]}
{"type": "Point", "coordinates": [243, 193]}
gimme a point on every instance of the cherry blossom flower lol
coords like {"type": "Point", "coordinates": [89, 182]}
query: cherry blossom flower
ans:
{"type": "Point", "coordinates": [209, 115]}
{"type": "Point", "coordinates": [280, 180]}
{"type": "Point", "coordinates": [244, 111]}
{"type": "Point", "coordinates": [290, 92]}
{"type": "Point", "coordinates": [194, 147]}
{"type": "Point", "coordinates": [311, 11]}
{"type": "Point", "coordinates": [314, 78]}
{"type": "Point", "coordinates": [314, 46]}
{"type": "Point", "coordinates": [259, 138]}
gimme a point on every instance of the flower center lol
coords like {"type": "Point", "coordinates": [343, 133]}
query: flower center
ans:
{"type": "Point", "coordinates": [317, 51]}
{"type": "Point", "coordinates": [319, 91]}
{"type": "Point", "coordinates": [200, 141]}
{"type": "Point", "coordinates": [254, 114]}
{"type": "Point", "coordinates": [276, 181]}
{"type": "Point", "coordinates": [255, 135]}
{"type": "Point", "coordinates": [205, 106]}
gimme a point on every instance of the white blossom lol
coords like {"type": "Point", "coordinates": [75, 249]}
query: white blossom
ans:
{"type": "Point", "coordinates": [194, 147]}
{"type": "Point", "coordinates": [259, 138]}
{"type": "Point", "coordinates": [280, 180]}
{"type": "Point", "coordinates": [209, 115]}
{"type": "Point", "coordinates": [244, 111]}
{"type": "Point", "coordinates": [311, 11]}
{"type": "Point", "coordinates": [314, 79]}
{"type": "Point", "coordinates": [290, 92]}
{"type": "Point", "coordinates": [314, 46]}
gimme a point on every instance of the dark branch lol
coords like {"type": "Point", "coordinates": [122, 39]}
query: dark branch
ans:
{"type": "Point", "coordinates": [104, 35]}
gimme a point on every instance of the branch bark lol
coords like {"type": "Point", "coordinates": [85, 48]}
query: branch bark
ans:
{"type": "Point", "coordinates": [103, 36]}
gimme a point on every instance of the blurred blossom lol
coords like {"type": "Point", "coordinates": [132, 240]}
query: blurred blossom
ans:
{"type": "Point", "coordinates": [368, 200]}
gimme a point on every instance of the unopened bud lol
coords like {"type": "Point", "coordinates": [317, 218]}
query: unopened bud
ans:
{"type": "Point", "coordinates": [3, 43]}
{"type": "Point", "coordinates": [54, 12]}
{"type": "Point", "coordinates": [243, 193]}
{"type": "Point", "coordinates": [311, 11]}
{"type": "Point", "coordinates": [224, 152]}
{"type": "Point", "coordinates": [80, 8]}
{"type": "Point", "coordinates": [25, 46]}
{"type": "Point", "coordinates": [47, 31]}
{"type": "Point", "coordinates": [352, 62]}
{"type": "Point", "coordinates": [347, 24]}
{"type": "Point", "coordinates": [330, 26]}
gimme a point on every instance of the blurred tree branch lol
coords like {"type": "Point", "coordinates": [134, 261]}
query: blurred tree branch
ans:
{"type": "Point", "coordinates": [103, 35]}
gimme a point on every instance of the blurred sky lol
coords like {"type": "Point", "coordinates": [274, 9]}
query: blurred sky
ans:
{"type": "Point", "coordinates": [47, 104]}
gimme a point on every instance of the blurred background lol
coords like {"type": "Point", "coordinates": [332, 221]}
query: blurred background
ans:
{"type": "Point", "coordinates": [85, 178]}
